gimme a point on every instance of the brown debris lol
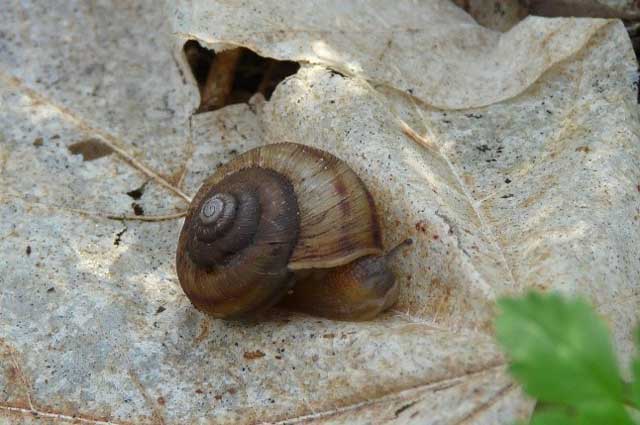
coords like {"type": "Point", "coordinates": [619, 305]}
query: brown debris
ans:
{"type": "Point", "coordinates": [252, 355]}
{"type": "Point", "coordinates": [90, 149]}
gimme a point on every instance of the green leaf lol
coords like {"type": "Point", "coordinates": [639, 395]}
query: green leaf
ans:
{"type": "Point", "coordinates": [551, 417]}
{"type": "Point", "coordinates": [594, 413]}
{"type": "Point", "coordinates": [559, 349]}
{"type": "Point", "coordinates": [635, 386]}
{"type": "Point", "coordinates": [603, 413]}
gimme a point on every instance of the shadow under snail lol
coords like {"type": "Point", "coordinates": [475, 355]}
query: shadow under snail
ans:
{"type": "Point", "coordinates": [285, 223]}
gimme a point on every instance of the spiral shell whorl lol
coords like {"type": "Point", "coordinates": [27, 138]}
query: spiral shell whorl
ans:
{"type": "Point", "coordinates": [236, 242]}
{"type": "Point", "coordinates": [219, 210]}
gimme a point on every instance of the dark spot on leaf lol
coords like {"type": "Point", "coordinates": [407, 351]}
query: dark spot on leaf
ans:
{"type": "Point", "coordinates": [137, 193]}
{"type": "Point", "coordinates": [55, 136]}
{"type": "Point", "coordinates": [403, 408]}
{"type": "Point", "coordinates": [333, 72]}
{"type": "Point", "coordinates": [507, 180]}
{"type": "Point", "coordinates": [421, 226]}
{"type": "Point", "coordinates": [52, 289]}
{"type": "Point", "coordinates": [483, 148]}
{"type": "Point", "coordinates": [161, 401]}
{"type": "Point", "coordinates": [507, 196]}
{"type": "Point", "coordinates": [90, 149]}
{"type": "Point", "coordinates": [585, 149]}
{"type": "Point", "coordinates": [38, 142]}
{"type": "Point", "coordinates": [118, 239]}
{"type": "Point", "coordinates": [160, 310]}
{"type": "Point", "coordinates": [476, 116]}
{"type": "Point", "coordinates": [199, 391]}
{"type": "Point", "coordinates": [137, 208]}
{"type": "Point", "coordinates": [28, 251]}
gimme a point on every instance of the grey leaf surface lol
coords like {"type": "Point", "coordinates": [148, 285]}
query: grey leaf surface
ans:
{"type": "Point", "coordinates": [510, 158]}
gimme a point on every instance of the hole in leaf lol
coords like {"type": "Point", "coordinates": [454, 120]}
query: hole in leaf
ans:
{"type": "Point", "coordinates": [233, 76]}
{"type": "Point", "coordinates": [137, 193]}
{"type": "Point", "coordinates": [90, 149]}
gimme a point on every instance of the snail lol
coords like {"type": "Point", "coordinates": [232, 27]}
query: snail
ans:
{"type": "Point", "coordinates": [285, 222]}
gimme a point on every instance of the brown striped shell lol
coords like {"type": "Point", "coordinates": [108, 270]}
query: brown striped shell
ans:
{"type": "Point", "coordinates": [271, 217]}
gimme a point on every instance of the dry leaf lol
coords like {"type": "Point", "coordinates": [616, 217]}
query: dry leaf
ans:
{"type": "Point", "coordinates": [499, 15]}
{"type": "Point", "coordinates": [622, 9]}
{"type": "Point", "coordinates": [535, 187]}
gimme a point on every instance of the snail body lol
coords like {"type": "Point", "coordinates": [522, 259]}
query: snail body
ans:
{"type": "Point", "coordinates": [284, 221]}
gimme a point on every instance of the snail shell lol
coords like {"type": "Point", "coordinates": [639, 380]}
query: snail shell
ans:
{"type": "Point", "coordinates": [278, 216]}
